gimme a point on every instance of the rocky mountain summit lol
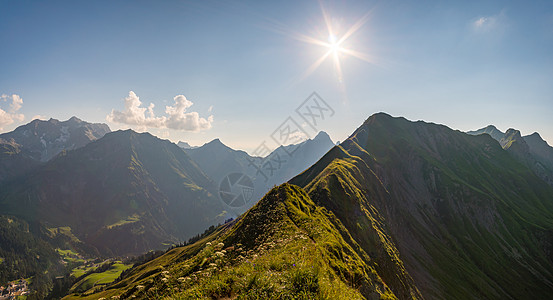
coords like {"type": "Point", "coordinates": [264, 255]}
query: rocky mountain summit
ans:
{"type": "Point", "coordinates": [43, 140]}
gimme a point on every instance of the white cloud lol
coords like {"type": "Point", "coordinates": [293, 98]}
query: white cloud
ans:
{"type": "Point", "coordinates": [177, 116]}
{"type": "Point", "coordinates": [38, 117]}
{"type": "Point", "coordinates": [11, 115]}
{"type": "Point", "coordinates": [179, 119]}
{"type": "Point", "coordinates": [135, 115]}
{"type": "Point", "coordinates": [480, 22]}
{"type": "Point", "coordinates": [210, 109]}
{"type": "Point", "coordinates": [489, 23]}
{"type": "Point", "coordinates": [485, 24]}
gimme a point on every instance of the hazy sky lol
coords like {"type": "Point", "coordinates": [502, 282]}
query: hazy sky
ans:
{"type": "Point", "coordinates": [238, 71]}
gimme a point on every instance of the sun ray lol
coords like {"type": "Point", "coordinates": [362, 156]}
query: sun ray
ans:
{"type": "Point", "coordinates": [315, 65]}
{"type": "Point", "coordinates": [359, 55]}
{"type": "Point", "coordinates": [355, 27]}
{"type": "Point", "coordinates": [335, 44]}
{"type": "Point", "coordinates": [338, 66]}
{"type": "Point", "coordinates": [326, 18]}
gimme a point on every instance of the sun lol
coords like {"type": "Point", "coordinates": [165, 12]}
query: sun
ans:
{"type": "Point", "coordinates": [335, 45]}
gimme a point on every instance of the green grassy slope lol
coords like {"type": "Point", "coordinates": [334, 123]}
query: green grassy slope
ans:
{"type": "Point", "coordinates": [96, 279]}
{"type": "Point", "coordinates": [285, 247]}
{"type": "Point", "coordinates": [467, 220]}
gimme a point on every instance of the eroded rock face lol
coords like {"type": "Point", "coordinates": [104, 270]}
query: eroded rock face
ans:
{"type": "Point", "coordinates": [45, 139]}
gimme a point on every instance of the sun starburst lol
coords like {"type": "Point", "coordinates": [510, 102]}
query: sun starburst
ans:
{"type": "Point", "coordinates": [335, 45]}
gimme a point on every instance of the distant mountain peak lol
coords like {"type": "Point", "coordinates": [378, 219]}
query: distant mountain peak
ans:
{"type": "Point", "coordinates": [46, 139]}
{"type": "Point", "coordinates": [535, 135]}
{"type": "Point", "coordinates": [74, 119]}
{"type": "Point", "coordinates": [491, 130]}
{"type": "Point", "coordinates": [379, 116]}
{"type": "Point", "coordinates": [512, 131]}
{"type": "Point", "coordinates": [216, 143]}
{"type": "Point", "coordinates": [511, 136]}
{"type": "Point", "coordinates": [322, 135]}
{"type": "Point", "coordinates": [184, 145]}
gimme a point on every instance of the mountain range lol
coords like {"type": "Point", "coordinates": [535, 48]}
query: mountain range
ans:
{"type": "Point", "coordinates": [37, 142]}
{"type": "Point", "coordinates": [124, 192]}
{"type": "Point", "coordinates": [219, 161]}
{"type": "Point", "coordinates": [399, 210]}
{"type": "Point", "coordinates": [530, 150]}
{"type": "Point", "coordinates": [45, 139]}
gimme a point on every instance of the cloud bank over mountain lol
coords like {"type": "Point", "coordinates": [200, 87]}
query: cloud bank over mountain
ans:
{"type": "Point", "coordinates": [177, 117]}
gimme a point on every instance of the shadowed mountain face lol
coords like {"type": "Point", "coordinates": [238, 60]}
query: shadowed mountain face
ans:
{"type": "Point", "coordinates": [400, 210]}
{"type": "Point", "coordinates": [218, 161]}
{"type": "Point", "coordinates": [124, 193]}
{"type": "Point", "coordinates": [14, 160]}
{"type": "Point", "coordinates": [297, 158]}
{"type": "Point", "coordinates": [540, 149]}
{"type": "Point", "coordinates": [45, 139]}
{"type": "Point", "coordinates": [465, 219]}
{"type": "Point", "coordinates": [530, 150]}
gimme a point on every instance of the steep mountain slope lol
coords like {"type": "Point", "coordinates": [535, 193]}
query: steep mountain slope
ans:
{"type": "Point", "coordinates": [540, 149]}
{"type": "Point", "coordinates": [124, 193]}
{"type": "Point", "coordinates": [25, 251]}
{"type": "Point", "coordinates": [466, 219]}
{"type": "Point", "coordinates": [285, 247]}
{"type": "Point", "coordinates": [530, 150]}
{"type": "Point", "coordinates": [218, 161]}
{"type": "Point", "coordinates": [45, 139]}
{"type": "Point", "coordinates": [297, 158]}
{"type": "Point", "coordinates": [14, 160]}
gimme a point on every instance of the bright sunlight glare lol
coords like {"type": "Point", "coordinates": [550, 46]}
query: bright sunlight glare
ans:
{"type": "Point", "coordinates": [334, 44]}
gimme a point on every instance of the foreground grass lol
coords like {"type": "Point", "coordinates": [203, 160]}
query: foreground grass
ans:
{"type": "Point", "coordinates": [284, 248]}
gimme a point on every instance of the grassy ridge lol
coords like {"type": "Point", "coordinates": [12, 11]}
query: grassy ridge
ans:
{"type": "Point", "coordinates": [468, 220]}
{"type": "Point", "coordinates": [285, 247]}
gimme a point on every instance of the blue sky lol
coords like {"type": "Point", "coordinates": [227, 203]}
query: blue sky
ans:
{"type": "Point", "coordinates": [242, 68]}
